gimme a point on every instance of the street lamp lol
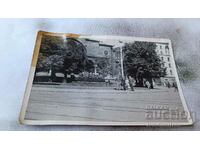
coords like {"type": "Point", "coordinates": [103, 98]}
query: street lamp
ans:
{"type": "Point", "coordinates": [122, 64]}
{"type": "Point", "coordinates": [119, 45]}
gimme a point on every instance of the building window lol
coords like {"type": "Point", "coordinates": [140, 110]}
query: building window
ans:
{"type": "Point", "coordinates": [168, 59]}
{"type": "Point", "coordinates": [161, 52]}
{"type": "Point", "coordinates": [106, 52]}
{"type": "Point", "coordinates": [167, 49]}
{"type": "Point", "coordinates": [169, 65]}
{"type": "Point", "coordinates": [117, 55]}
{"type": "Point", "coordinates": [160, 46]}
{"type": "Point", "coordinates": [162, 58]}
{"type": "Point", "coordinates": [170, 72]}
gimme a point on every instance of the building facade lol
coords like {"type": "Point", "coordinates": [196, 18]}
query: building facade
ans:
{"type": "Point", "coordinates": [102, 55]}
{"type": "Point", "coordinates": [162, 50]}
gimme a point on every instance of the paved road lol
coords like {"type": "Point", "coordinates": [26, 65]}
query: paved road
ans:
{"type": "Point", "coordinates": [74, 103]}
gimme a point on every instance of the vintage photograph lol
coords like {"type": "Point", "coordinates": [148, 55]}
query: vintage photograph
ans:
{"type": "Point", "coordinates": [103, 80]}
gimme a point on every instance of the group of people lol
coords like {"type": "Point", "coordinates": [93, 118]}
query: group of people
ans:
{"type": "Point", "coordinates": [130, 82]}
{"type": "Point", "coordinates": [127, 83]}
{"type": "Point", "coordinates": [169, 85]}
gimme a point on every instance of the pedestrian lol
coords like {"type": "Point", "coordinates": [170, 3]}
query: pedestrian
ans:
{"type": "Point", "coordinates": [148, 84]}
{"type": "Point", "coordinates": [168, 84]}
{"type": "Point", "coordinates": [175, 86]}
{"type": "Point", "coordinates": [127, 83]}
{"type": "Point", "coordinates": [144, 82]}
{"type": "Point", "coordinates": [131, 83]}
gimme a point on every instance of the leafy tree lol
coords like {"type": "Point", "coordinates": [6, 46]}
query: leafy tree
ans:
{"type": "Point", "coordinates": [52, 45]}
{"type": "Point", "coordinates": [89, 67]}
{"type": "Point", "coordinates": [62, 55]}
{"type": "Point", "coordinates": [51, 54]}
{"type": "Point", "coordinates": [52, 63]}
{"type": "Point", "coordinates": [141, 61]}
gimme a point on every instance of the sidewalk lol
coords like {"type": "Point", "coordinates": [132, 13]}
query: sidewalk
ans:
{"type": "Point", "coordinates": [97, 86]}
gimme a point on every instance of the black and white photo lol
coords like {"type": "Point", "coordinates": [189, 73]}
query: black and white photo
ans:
{"type": "Point", "coordinates": [103, 80]}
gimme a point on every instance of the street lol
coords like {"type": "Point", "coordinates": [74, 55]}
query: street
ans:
{"type": "Point", "coordinates": [102, 104]}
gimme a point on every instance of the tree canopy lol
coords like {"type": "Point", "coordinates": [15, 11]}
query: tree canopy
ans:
{"type": "Point", "coordinates": [58, 54]}
{"type": "Point", "coordinates": [141, 61]}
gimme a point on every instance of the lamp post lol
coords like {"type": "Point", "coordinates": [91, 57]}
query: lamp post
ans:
{"type": "Point", "coordinates": [119, 46]}
{"type": "Point", "coordinates": [122, 65]}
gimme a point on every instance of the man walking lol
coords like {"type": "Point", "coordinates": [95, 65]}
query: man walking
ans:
{"type": "Point", "coordinates": [131, 83]}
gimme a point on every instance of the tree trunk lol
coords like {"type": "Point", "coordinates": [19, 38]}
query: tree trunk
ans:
{"type": "Point", "coordinates": [65, 76]}
{"type": "Point", "coordinates": [53, 75]}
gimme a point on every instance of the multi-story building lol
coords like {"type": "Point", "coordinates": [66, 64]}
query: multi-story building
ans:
{"type": "Point", "coordinates": [162, 49]}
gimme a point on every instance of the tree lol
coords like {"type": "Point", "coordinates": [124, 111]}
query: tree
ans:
{"type": "Point", "coordinates": [52, 63]}
{"type": "Point", "coordinates": [89, 67]}
{"type": "Point", "coordinates": [51, 54]}
{"type": "Point", "coordinates": [51, 45]}
{"type": "Point", "coordinates": [62, 55]}
{"type": "Point", "coordinates": [141, 61]}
